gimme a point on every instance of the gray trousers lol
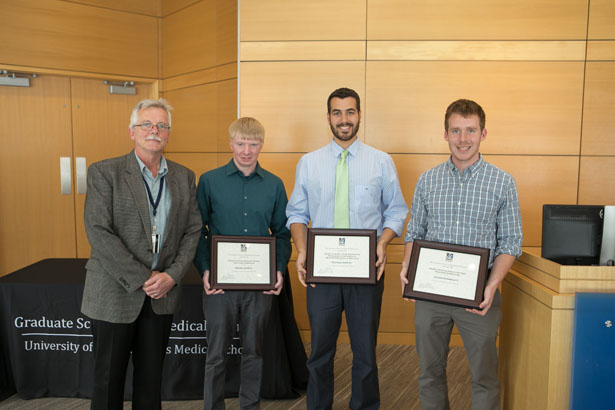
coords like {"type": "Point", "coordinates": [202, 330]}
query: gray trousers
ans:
{"type": "Point", "coordinates": [434, 324]}
{"type": "Point", "coordinates": [251, 310]}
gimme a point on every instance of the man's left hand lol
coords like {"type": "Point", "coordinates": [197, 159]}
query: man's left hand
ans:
{"type": "Point", "coordinates": [158, 285]}
{"type": "Point", "coordinates": [278, 286]}
{"type": "Point", "coordinates": [487, 301]}
{"type": "Point", "coordinates": [381, 252]}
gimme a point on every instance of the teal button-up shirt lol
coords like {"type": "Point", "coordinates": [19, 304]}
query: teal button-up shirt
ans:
{"type": "Point", "coordinates": [233, 204]}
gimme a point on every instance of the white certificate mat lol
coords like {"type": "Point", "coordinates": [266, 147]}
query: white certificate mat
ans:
{"type": "Point", "coordinates": [245, 263]}
{"type": "Point", "coordinates": [447, 273]}
{"type": "Point", "coordinates": [341, 256]}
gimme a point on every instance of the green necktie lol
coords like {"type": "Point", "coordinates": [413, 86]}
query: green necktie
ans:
{"type": "Point", "coordinates": [342, 211]}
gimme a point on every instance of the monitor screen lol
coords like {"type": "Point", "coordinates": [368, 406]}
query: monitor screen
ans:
{"type": "Point", "coordinates": [572, 234]}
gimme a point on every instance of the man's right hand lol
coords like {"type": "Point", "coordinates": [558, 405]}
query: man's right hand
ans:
{"type": "Point", "coordinates": [207, 288]}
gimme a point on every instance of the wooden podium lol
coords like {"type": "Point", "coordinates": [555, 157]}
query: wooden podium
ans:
{"type": "Point", "coordinates": [537, 329]}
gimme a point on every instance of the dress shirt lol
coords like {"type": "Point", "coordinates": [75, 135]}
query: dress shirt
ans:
{"type": "Point", "coordinates": [477, 208]}
{"type": "Point", "coordinates": [234, 204]}
{"type": "Point", "coordinates": [375, 198]}
{"type": "Point", "coordinates": [162, 212]}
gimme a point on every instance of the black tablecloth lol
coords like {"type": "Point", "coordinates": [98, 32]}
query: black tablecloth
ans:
{"type": "Point", "coordinates": [46, 342]}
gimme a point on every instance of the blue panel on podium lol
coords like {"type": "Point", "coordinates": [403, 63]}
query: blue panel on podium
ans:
{"type": "Point", "coordinates": [593, 352]}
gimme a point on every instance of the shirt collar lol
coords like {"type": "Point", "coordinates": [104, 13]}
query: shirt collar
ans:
{"type": "Point", "coordinates": [471, 169]}
{"type": "Point", "coordinates": [231, 168]}
{"type": "Point", "coordinates": [147, 173]}
{"type": "Point", "coordinates": [352, 149]}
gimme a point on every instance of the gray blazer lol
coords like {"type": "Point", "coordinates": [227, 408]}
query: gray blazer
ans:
{"type": "Point", "coordinates": [118, 226]}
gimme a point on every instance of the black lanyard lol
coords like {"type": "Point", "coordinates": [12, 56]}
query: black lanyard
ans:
{"type": "Point", "coordinates": [149, 194]}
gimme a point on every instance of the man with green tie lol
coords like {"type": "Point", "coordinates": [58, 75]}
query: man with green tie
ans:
{"type": "Point", "coordinates": [345, 185]}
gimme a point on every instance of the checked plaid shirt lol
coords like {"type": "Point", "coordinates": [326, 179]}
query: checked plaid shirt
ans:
{"type": "Point", "coordinates": [479, 208]}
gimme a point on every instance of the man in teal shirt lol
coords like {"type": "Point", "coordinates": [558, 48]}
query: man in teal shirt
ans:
{"type": "Point", "coordinates": [240, 199]}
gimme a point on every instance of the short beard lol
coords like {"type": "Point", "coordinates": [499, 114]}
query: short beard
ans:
{"type": "Point", "coordinates": [354, 132]}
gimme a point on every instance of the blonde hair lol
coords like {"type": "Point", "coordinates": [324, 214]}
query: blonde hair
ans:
{"type": "Point", "coordinates": [248, 128]}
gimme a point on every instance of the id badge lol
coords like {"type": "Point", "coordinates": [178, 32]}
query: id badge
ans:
{"type": "Point", "coordinates": [155, 243]}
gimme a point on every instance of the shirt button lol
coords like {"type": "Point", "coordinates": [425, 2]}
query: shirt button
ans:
{"type": "Point", "coordinates": [245, 230]}
{"type": "Point", "coordinates": [458, 203]}
{"type": "Point", "coordinates": [457, 222]}
{"type": "Point", "coordinates": [245, 214]}
{"type": "Point", "coordinates": [245, 197]}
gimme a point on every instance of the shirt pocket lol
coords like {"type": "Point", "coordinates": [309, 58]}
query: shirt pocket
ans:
{"type": "Point", "coordinates": [367, 194]}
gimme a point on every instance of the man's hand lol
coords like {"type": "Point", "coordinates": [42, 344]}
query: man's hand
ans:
{"type": "Point", "coordinates": [501, 266]}
{"type": "Point", "coordinates": [207, 288]}
{"type": "Point", "coordinates": [158, 285]}
{"type": "Point", "coordinates": [301, 272]}
{"type": "Point", "coordinates": [278, 286]}
{"type": "Point", "coordinates": [487, 301]}
{"type": "Point", "coordinates": [405, 263]}
{"type": "Point", "coordinates": [381, 252]}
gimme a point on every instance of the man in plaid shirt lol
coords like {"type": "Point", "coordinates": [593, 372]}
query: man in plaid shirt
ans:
{"type": "Point", "coordinates": [464, 201]}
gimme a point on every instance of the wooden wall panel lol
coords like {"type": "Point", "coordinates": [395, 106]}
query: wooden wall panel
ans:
{"type": "Point", "coordinates": [189, 39]}
{"type": "Point", "coordinates": [226, 31]}
{"type": "Point", "coordinates": [599, 109]}
{"type": "Point", "coordinates": [597, 181]}
{"type": "Point", "coordinates": [290, 100]}
{"type": "Point", "coordinates": [302, 50]}
{"type": "Point", "coordinates": [601, 19]}
{"type": "Point", "coordinates": [540, 180]}
{"type": "Point", "coordinates": [71, 36]}
{"type": "Point", "coordinates": [199, 163]}
{"type": "Point", "coordinates": [431, 50]}
{"type": "Point", "coordinates": [195, 117]}
{"type": "Point", "coordinates": [284, 165]}
{"type": "Point", "coordinates": [531, 107]}
{"type": "Point", "coordinates": [205, 76]}
{"type": "Point", "coordinates": [409, 169]}
{"type": "Point", "coordinates": [227, 112]}
{"type": "Point", "coordinates": [601, 50]}
{"type": "Point", "coordinates": [476, 20]}
{"type": "Point", "coordinates": [302, 20]}
{"type": "Point", "coordinates": [201, 116]}
{"type": "Point", "coordinates": [397, 315]}
{"type": "Point", "coordinates": [171, 6]}
{"type": "Point", "coordinates": [147, 7]}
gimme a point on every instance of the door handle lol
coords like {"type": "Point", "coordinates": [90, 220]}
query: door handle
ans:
{"type": "Point", "coordinates": [82, 173]}
{"type": "Point", "coordinates": [65, 176]}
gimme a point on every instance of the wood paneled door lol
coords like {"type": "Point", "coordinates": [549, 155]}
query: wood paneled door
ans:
{"type": "Point", "coordinates": [54, 118]}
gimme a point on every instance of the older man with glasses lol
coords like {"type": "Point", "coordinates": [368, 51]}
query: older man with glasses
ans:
{"type": "Point", "coordinates": [143, 225]}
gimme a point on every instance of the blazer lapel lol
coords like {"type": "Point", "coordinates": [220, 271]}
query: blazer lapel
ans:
{"type": "Point", "coordinates": [175, 195]}
{"type": "Point", "coordinates": [134, 180]}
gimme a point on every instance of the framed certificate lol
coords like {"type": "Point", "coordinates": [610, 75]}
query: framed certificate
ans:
{"type": "Point", "coordinates": [445, 273]}
{"type": "Point", "coordinates": [341, 256]}
{"type": "Point", "coordinates": [243, 262]}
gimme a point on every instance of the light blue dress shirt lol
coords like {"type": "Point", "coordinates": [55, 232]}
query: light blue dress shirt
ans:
{"type": "Point", "coordinates": [162, 211]}
{"type": "Point", "coordinates": [375, 197]}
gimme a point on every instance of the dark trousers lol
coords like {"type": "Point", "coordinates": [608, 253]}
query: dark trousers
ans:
{"type": "Point", "coordinates": [147, 339]}
{"type": "Point", "coordinates": [362, 304]}
{"type": "Point", "coordinates": [251, 310]}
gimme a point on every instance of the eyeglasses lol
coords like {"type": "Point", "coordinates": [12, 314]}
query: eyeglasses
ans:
{"type": "Point", "coordinates": [161, 126]}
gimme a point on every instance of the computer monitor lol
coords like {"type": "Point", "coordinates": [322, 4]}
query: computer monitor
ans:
{"type": "Point", "coordinates": [572, 234]}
